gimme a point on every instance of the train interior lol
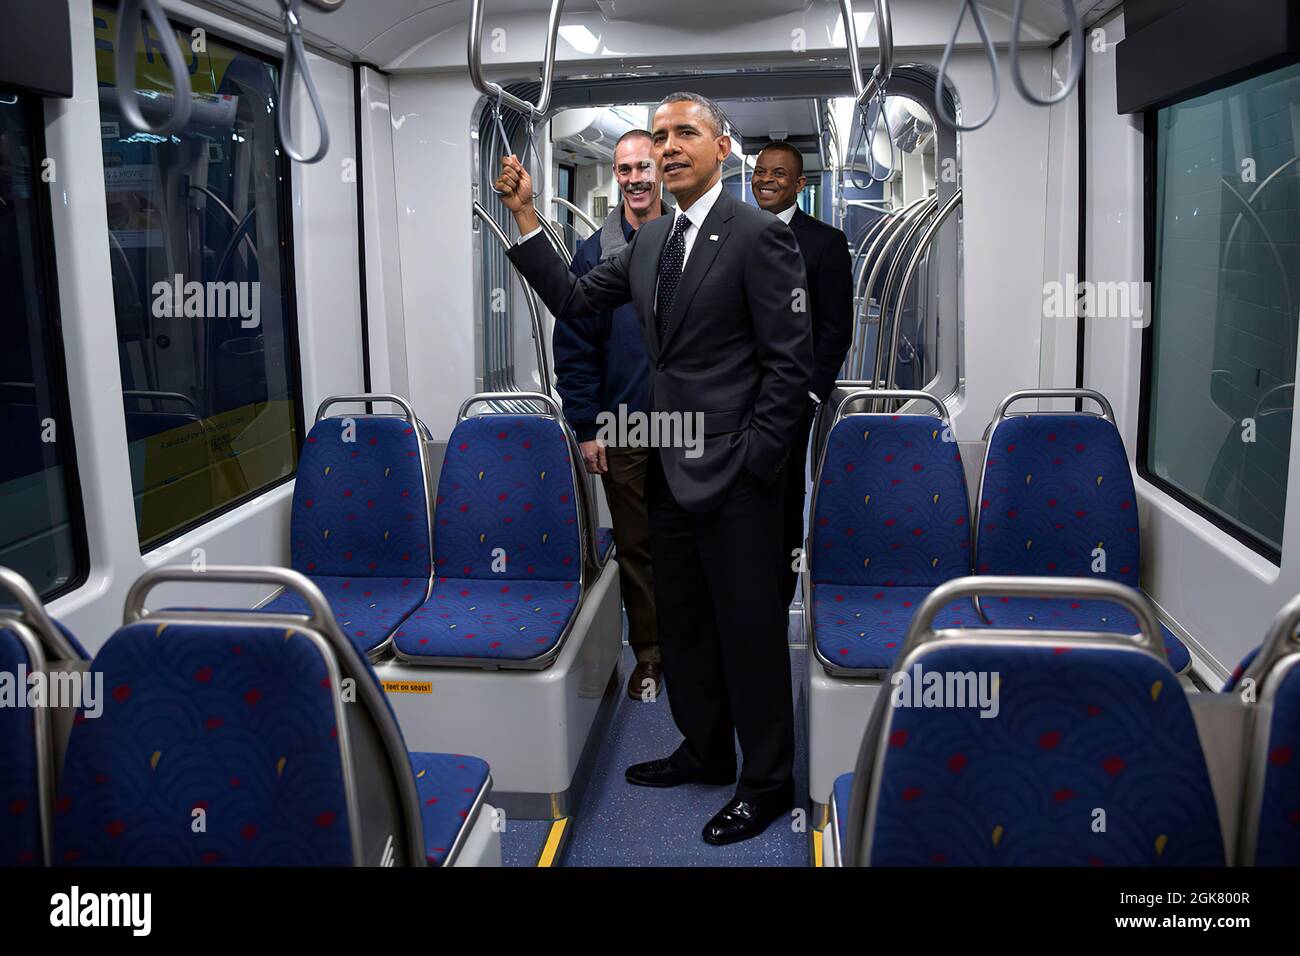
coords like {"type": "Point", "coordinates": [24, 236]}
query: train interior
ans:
{"type": "Point", "coordinates": [275, 394]}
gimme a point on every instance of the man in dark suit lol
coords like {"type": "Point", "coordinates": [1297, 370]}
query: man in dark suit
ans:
{"type": "Point", "coordinates": [777, 181]}
{"type": "Point", "coordinates": [719, 290]}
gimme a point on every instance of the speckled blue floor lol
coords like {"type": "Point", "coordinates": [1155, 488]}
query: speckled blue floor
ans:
{"type": "Point", "coordinates": [522, 841]}
{"type": "Point", "coordinates": [622, 825]}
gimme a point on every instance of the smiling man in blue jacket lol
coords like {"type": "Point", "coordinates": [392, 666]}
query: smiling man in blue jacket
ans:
{"type": "Point", "coordinates": [600, 365]}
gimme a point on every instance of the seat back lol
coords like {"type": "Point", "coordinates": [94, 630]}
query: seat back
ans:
{"type": "Point", "coordinates": [33, 650]}
{"type": "Point", "coordinates": [508, 504]}
{"type": "Point", "coordinates": [1056, 495]}
{"type": "Point", "coordinates": [360, 502]}
{"type": "Point", "coordinates": [236, 738]}
{"type": "Point", "coordinates": [890, 505]}
{"type": "Point", "coordinates": [1018, 748]}
{"type": "Point", "coordinates": [1270, 825]}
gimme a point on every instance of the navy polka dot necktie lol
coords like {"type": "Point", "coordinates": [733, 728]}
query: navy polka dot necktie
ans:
{"type": "Point", "coordinates": [670, 272]}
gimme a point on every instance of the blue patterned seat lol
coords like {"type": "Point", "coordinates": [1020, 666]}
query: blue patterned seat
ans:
{"type": "Point", "coordinates": [21, 840]}
{"type": "Point", "coordinates": [449, 786]}
{"type": "Point", "coordinates": [604, 542]}
{"type": "Point", "coordinates": [240, 722]}
{"type": "Point", "coordinates": [890, 522]}
{"type": "Point", "coordinates": [360, 523]}
{"type": "Point", "coordinates": [508, 556]}
{"type": "Point", "coordinates": [1056, 488]}
{"type": "Point", "coordinates": [862, 628]}
{"type": "Point", "coordinates": [1277, 812]}
{"type": "Point", "coordinates": [1092, 759]}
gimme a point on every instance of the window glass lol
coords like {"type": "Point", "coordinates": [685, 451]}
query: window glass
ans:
{"type": "Point", "coordinates": [1226, 291]}
{"type": "Point", "coordinates": [41, 533]}
{"type": "Point", "coordinates": [199, 247]}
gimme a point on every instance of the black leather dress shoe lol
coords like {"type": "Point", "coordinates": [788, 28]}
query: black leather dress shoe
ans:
{"type": "Point", "coordinates": [740, 820]}
{"type": "Point", "coordinates": [666, 773]}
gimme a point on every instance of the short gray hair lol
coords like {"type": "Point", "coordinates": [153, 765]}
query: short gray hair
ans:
{"type": "Point", "coordinates": [717, 118]}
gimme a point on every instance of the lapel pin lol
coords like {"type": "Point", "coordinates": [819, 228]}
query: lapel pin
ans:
{"type": "Point", "coordinates": [713, 238]}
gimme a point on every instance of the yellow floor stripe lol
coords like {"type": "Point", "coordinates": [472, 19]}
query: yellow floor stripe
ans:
{"type": "Point", "coordinates": [553, 840]}
{"type": "Point", "coordinates": [817, 847]}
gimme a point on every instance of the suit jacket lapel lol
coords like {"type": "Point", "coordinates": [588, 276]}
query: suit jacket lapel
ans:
{"type": "Point", "coordinates": [703, 252]}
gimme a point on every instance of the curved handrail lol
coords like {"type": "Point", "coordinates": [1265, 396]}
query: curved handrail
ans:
{"type": "Point", "coordinates": [488, 88]}
{"type": "Point", "coordinates": [535, 315]}
{"type": "Point", "coordinates": [1000, 412]}
{"type": "Point", "coordinates": [859, 262]}
{"type": "Point", "coordinates": [149, 395]}
{"type": "Point", "coordinates": [876, 256]}
{"type": "Point", "coordinates": [556, 241]}
{"type": "Point", "coordinates": [882, 394]}
{"type": "Point", "coordinates": [864, 91]}
{"type": "Point", "coordinates": [408, 410]}
{"type": "Point", "coordinates": [540, 397]}
{"type": "Point", "coordinates": [124, 56]}
{"type": "Point", "coordinates": [31, 608]}
{"type": "Point", "coordinates": [1075, 28]}
{"type": "Point", "coordinates": [905, 285]}
{"type": "Point", "coordinates": [587, 220]}
{"type": "Point", "coordinates": [907, 231]}
{"type": "Point", "coordinates": [295, 62]}
{"type": "Point", "coordinates": [990, 55]}
{"type": "Point", "coordinates": [872, 89]}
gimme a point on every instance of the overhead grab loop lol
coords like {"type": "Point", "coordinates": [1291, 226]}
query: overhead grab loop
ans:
{"type": "Point", "coordinates": [869, 92]}
{"type": "Point", "coordinates": [990, 54]}
{"type": "Point", "coordinates": [128, 29]}
{"type": "Point", "coordinates": [1075, 28]}
{"type": "Point", "coordinates": [533, 113]}
{"type": "Point", "coordinates": [295, 62]}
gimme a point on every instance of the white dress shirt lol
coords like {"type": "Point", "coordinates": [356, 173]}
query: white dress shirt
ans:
{"type": "Point", "coordinates": [786, 214]}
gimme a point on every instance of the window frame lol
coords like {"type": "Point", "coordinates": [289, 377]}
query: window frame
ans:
{"type": "Point", "coordinates": [57, 375]}
{"type": "Point", "coordinates": [284, 219]}
{"type": "Point", "coordinates": [1150, 159]}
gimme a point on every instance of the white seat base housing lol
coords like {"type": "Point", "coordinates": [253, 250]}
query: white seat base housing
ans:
{"type": "Point", "coordinates": [482, 846]}
{"type": "Point", "coordinates": [531, 726]}
{"type": "Point", "coordinates": [838, 711]}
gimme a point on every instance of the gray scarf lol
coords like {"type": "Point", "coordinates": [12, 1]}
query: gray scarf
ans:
{"type": "Point", "coordinates": [611, 231]}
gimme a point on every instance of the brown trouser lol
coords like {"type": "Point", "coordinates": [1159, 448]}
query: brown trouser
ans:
{"type": "Point", "coordinates": [625, 491]}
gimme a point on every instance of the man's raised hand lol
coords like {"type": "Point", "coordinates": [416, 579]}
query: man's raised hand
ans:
{"type": "Point", "coordinates": [515, 184]}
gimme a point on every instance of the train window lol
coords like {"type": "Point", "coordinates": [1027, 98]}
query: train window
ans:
{"type": "Point", "coordinates": [41, 531]}
{"type": "Point", "coordinates": [198, 239]}
{"type": "Point", "coordinates": [1226, 286]}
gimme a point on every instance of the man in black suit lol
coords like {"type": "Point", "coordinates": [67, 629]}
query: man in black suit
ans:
{"type": "Point", "coordinates": [719, 290]}
{"type": "Point", "coordinates": [777, 181]}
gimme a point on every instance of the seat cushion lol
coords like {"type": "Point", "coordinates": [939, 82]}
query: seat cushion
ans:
{"type": "Point", "coordinates": [367, 609]}
{"type": "Point", "coordinates": [448, 785]}
{"type": "Point", "coordinates": [891, 504]}
{"type": "Point", "coordinates": [1066, 615]}
{"type": "Point", "coordinates": [21, 842]}
{"type": "Point", "coordinates": [489, 620]}
{"type": "Point", "coordinates": [862, 628]}
{"type": "Point", "coordinates": [1066, 733]}
{"type": "Point", "coordinates": [604, 542]}
{"type": "Point", "coordinates": [237, 722]}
